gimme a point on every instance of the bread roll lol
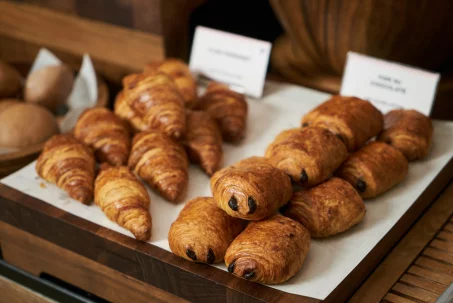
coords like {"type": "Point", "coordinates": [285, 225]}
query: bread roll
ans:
{"type": "Point", "coordinates": [10, 81]}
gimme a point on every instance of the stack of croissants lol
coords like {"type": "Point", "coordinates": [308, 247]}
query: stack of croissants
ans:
{"type": "Point", "coordinates": [264, 210]}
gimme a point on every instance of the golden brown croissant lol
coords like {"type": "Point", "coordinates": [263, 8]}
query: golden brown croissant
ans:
{"type": "Point", "coordinates": [128, 115]}
{"type": "Point", "coordinates": [109, 137]}
{"type": "Point", "coordinates": [180, 73]}
{"type": "Point", "coordinates": [204, 141]}
{"type": "Point", "coordinates": [327, 209]}
{"type": "Point", "coordinates": [269, 251]}
{"type": "Point", "coordinates": [251, 189]}
{"type": "Point", "coordinates": [161, 162]}
{"type": "Point", "coordinates": [124, 200]}
{"type": "Point", "coordinates": [308, 155]}
{"type": "Point", "coordinates": [202, 232]}
{"type": "Point", "coordinates": [409, 131]}
{"type": "Point", "coordinates": [374, 169]}
{"type": "Point", "coordinates": [228, 108]}
{"type": "Point", "coordinates": [70, 165]}
{"type": "Point", "coordinates": [155, 97]}
{"type": "Point", "coordinates": [353, 120]}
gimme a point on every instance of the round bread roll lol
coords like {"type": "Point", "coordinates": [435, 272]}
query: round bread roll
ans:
{"type": "Point", "coordinates": [49, 86]}
{"type": "Point", "coordinates": [10, 81]}
{"type": "Point", "coordinates": [23, 124]}
{"type": "Point", "coordinates": [4, 103]}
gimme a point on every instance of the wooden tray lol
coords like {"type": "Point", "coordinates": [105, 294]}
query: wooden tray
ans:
{"type": "Point", "coordinates": [11, 162]}
{"type": "Point", "coordinates": [162, 269]}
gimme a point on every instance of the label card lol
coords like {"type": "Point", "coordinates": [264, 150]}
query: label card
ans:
{"type": "Point", "coordinates": [238, 61]}
{"type": "Point", "coordinates": [389, 85]}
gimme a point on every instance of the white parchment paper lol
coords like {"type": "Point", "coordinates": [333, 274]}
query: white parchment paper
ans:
{"type": "Point", "coordinates": [330, 260]}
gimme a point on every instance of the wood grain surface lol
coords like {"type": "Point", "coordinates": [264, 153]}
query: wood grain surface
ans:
{"type": "Point", "coordinates": [12, 292]}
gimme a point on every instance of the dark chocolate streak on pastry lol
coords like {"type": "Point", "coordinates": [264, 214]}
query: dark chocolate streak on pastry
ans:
{"type": "Point", "coordinates": [305, 124]}
{"type": "Point", "coordinates": [252, 205]}
{"type": "Point", "coordinates": [231, 266]}
{"type": "Point", "coordinates": [249, 274]}
{"type": "Point", "coordinates": [210, 258]}
{"type": "Point", "coordinates": [191, 254]}
{"type": "Point", "coordinates": [233, 203]}
{"type": "Point", "coordinates": [360, 185]}
{"type": "Point", "coordinates": [303, 176]}
{"type": "Point", "coordinates": [340, 137]}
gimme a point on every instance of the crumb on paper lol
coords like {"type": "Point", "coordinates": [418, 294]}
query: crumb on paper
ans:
{"type": "Point", "coordinates": [42, 185]}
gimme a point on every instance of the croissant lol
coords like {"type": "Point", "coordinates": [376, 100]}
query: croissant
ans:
{"type": "Point", "coordinates": [353, 120]}
{"type": "Point", "coordinates": [202, 232]}
{"type": "Point", "coordinates": [327, 209]}
{"type": "Point", "coordinates": [251, 189]}
{"type": "Point", "coordinates": [269, 251]}
{"type": "Point", "coordinates": [180, 73]}
{"type": "Point", "coordinates": [161, 162]}
{"type": "Point", "coordinates": [124, 200]}
{"type": "Point", "coordinates": [228, 108]}
{"type": "Point", "coordinates": [309, 155]}
{"type": "Point", "coordinates": [374, 169]}
{"type": "Point", "coordinates": [128, 115]}
{"type": "Point", "coordinates": [204, 141]}
{"type": "Point", "coordinates": [155, 97]}
{"type": "Point", "coordinates": [70, 165]}
{"type": "Point", "coordinates": [102, 130]}
{"type": "Point", "coordinates": [409, 131]}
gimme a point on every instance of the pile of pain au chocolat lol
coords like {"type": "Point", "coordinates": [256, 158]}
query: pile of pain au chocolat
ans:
{"type": "Point", "coordinates": [264, 210]}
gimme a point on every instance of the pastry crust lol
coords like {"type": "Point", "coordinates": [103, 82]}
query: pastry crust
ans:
{"type": "Point", "coordinates": [374, 169]}
{"type": "Point", "coordinates": [269, 251]}
{"type": "Point", "coordinates": [409, 131]}
{"type": "Point", "coordinates": [228, 108]}
{"type": "Point", "coordinates": [251, 189]}
{"type": "Point", "coordinates": [161, 162]}
{"type": "Point", "coordinates": [309, 155]}
{"type": "Point", "coordinates": [124, 200]}
{"type": "Point", "coordinates": [327, 209]}
{"type": "Point", "coordinates": [128, 115]}
{"type": "Point", "coordinates": [180, 73]}
{"type": "Point", "coordinates": [353, 120]}
{"type": "Point", "coordinates": [155, 97]}
{"type": "Point", "coordinates": [70, 165]}
{"type": "Point", "coordinates": [202, 232]}
{"type": "Point", "coordinates": [102, 130]}
{"type": "Point", "coordinates": [204, 141]}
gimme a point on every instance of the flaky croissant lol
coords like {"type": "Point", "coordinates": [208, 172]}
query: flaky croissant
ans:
{"type": "Point", "coordinates": [102, 130]}
{"type": "Point", "coordinates": [161, 162]}
{"type": "Point", "coordinates": [228, 108]}
{"type": "Point", "coordinates": [180, 73]}
{"type": "Point", "coordinates": [308, 155]}
{"type": "Point", "coordinates": [269, 251]}
{"type": "Point", "coordinates": [327, 209]}
{"type": "Point", "coordinates": [251, 189]}
{"type": "Point", "coordinates": [124, 200]}
{"type": "Point", "coordinates": [202, 232]}
{"type": "Point", "coordinates": [70, 165]}
{"type": "Point", "coordinates": [155, 97]}
{"type": "Point", "coordinates": [204, 141]}
{"type": "Point", "coordinates": [128, 115]}
{"type": "Point", "coordinates": [353, 120]}
{"type": "Point", "coordinates": [374, 169]}
{"type": "Point", "coordinates": [409, 131]}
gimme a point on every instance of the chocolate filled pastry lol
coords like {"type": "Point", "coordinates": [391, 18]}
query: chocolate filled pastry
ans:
{"type": "Point", "coordinates": [155, 97]}
{"type": "Point", "coordinates": [251, 189]}
{"type": "Point", "coordinates": [70, 165]}
{"type": "Point", "coordinates": [109, 137]}
{"type": "Point", "coordinates": [204, 141]}
{"type": "Point", "coordinates": [409, 131]}
{"type": "Point", "coordinates": [202, 232]}
{"type": "Point", "coordinates": [308, 155]}
{"type": "Point", "coordinates": [353, 120]}
{"type": "Point", "coordinates": [228, 108]}
{"type": "Point", "coordinates": [124, 200]}
{"type": "Point", "coordinates": [161, 162]}
{"type": "Point", "coordinates": [374, 169]}
{"type": "Point", "coordinates": [269, 251]}
{"type": "Point", "coordinates": [180, 73]}
{"type": "Point", "coordinates": [327, 209]}
{"type": "Point", "coordinates": [128, 115]}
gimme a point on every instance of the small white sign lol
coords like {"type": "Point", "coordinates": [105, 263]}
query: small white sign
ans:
{"type": "Point", "coordinates": [389, 85]}
{"type": "Point", "coordinates": [232, 59]}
